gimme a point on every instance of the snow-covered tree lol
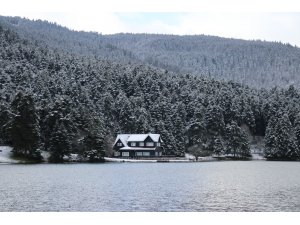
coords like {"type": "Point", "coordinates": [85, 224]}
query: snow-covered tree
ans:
{"type": "Point", "coordinates": [237, 142]}
{"type": "Point", "coordinates": [280, 140]}
{"type": "Point", "coordinates": [24, 127]}
{"type": "Point", "coordinates": [59, 143]}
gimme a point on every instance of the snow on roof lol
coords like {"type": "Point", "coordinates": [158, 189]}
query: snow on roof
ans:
{"type": "Point", "coordinates": [123, 138]}
{"type": "Point", "coordinates": [136, 148]}
{"type": "Point", "coordinates": [135, 137]}
{"type": "Point", "coordinates": [154, 137]}
{"type": "Point", "coordinates": [142, 137]}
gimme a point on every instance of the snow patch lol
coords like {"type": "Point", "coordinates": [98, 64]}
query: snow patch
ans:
{"type": "Point", "coordinates": [256, 156]}
{"type": "Point", "coordinates": [73, 158]}
{"type": "Point", "coordinates": [189, 156]}
{"type": "Point", "coordinates": [6, 154]}
{"type": "Point", "coordinates": [45, 156]}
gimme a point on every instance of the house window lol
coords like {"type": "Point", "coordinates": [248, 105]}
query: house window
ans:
{"type": "Point", "coordinates": [126, 154]}
{"type": "Point", "coordinates": [116, 154]}
{"type": "Point", "coordinates": [146, 153]}
{"type": "Point", "coordinates": [133, 144]}
{"type": "Point", "coordinates": [149, 144]}
{"type": "Point", "coordinates": [158, 144]}
{"type": "Point", "coordinates": [119, 144]}
{"type": "Point", "coordinates": [139, 153]}
{"type": "Point", "coordinates": [141, 144]}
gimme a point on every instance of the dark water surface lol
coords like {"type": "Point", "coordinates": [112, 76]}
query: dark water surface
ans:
{"type": "Point", "coordinates": [210, 186]}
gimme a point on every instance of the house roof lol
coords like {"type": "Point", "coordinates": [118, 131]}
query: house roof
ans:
{"type": "Point", "coordinates": [136, 138]}
{"type": "Point", "coordinates": [142, 137]}
{"type": "Point", "coordinates": [155, 137]}
{"type": "Point", "coordinates": [137, 148]}
{"type": "Point", "coordinates": [123, 138]}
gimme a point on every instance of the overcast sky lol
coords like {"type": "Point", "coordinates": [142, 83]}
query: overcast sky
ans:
{"type": "Point", "coordinates": [95, 16]}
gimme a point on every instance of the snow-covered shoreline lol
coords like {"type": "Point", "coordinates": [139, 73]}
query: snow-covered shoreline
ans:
{"type": "Point", "coordinates": [6, 155]}
{"type": "Point", "coordinates": [6, 158]}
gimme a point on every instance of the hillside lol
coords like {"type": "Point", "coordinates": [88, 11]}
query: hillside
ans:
{"type": "Point", "coordinates": [254, 63]}
{"type": "Point", "coordinates": [65, 103]}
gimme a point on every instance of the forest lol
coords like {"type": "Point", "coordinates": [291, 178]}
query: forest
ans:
{"type": "Point", "coordinates": [258, 64]}
{"type": "Point", "coordinates": [63, 102]}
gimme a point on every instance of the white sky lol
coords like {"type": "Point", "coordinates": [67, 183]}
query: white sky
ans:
{"type": "Point", "coordinates": [257, 19]}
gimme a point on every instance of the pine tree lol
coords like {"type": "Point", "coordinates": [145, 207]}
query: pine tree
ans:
{"type": "Point", "coordinates": [297, 129]}
{"type": "Point", "coordinates": [248, 117]}
{"type": "Point", "coordinates": [280, 139]}
{"type": "Point", "coordinates": [5, 117]}
{"type": "Point", "coordinates": [237, 142]}
{"type": "Point", "coordinates": [286, 139]}
{"type": "Point", "coordinates": [92, 145]}
{"type": "Point", "coordinates": [24, 127]}
{"type": "Point", "coordinates": [59, 143]}
{"type": "Point", "coordinates": [271, 138]}
{"type": "Point", "coordinates": [217, 146]}
{"type": "Point", "coordinates": [214, 120]}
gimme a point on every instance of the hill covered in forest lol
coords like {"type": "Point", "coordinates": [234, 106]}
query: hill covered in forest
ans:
{"type": "Point", "coordinates": [66, 103]}
{"type": "Point", "coordinates": [254, 63]}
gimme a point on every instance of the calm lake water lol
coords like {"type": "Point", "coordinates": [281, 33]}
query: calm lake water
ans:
{"type": "Point", "coordinates": [209, 186]}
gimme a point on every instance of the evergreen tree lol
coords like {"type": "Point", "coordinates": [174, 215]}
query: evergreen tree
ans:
{"type": "Point", "coordinates": [248, 117]}
{"type": "Point", "coordinates": [214, 120]}
{"type": "Point", "coordinates": [237, 142]}
{"type": "Point", "coordinates": [297, 129]}
{"type": "Point", "coordinates": [217, 146]}
{"type": "Point", "coordinates": [24, 127]}
{"type": "Point", "coordinates": [59, 143]}
{"type": "Point", "coordinates": [93, 147]}
{"type": "Point", "coordinates": [280, 140]}
{"type": "Point", "coordinates": [92, 144]}
{"type": "Point", "coordinates": [5, 117]}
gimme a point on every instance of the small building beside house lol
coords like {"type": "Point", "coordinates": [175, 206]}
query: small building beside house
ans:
{"type": "Point", "coordinates": [138, 145]}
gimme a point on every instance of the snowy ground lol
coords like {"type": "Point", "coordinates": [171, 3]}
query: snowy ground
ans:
{"type": "Point", "coordinates": [45, 155]}
{"type": "Point", "coordinates": [5, 155]}
{"type": "Point", "coordinates": [257, 152]}
{"type": "Point", "coordinates": [256, 156]}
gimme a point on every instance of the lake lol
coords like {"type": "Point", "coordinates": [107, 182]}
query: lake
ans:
{"type": "Point", "coordinates": [206, 186]}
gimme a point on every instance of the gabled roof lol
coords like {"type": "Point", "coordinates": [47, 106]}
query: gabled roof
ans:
{"type": "Point", "coordinates": [155, 137]}
{"type": "Point", "coordinates": [123, 138]}
{"type": "Point", "coordinates": [136, 138]}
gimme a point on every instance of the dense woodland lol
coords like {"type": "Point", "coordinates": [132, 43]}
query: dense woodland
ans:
{"type": "Point", "coordinates": [61, 102]}
{"type": "Point", "coordinates": [255, 63]}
